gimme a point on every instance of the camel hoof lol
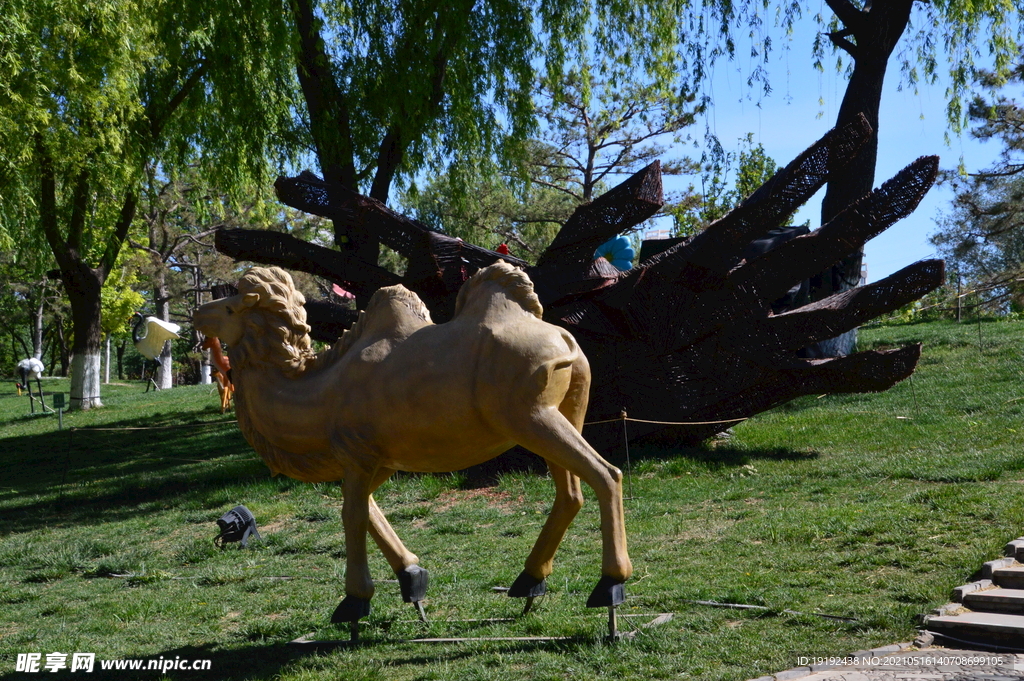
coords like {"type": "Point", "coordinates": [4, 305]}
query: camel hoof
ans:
{"type": "Point", "coordinates": [608, 592]}
{"type": "Point", "coordinates": [351, 609]}
{"type": "Point", "coordinates": [413, 582]}
{"type": "Point", "coordinates": [527, 586]}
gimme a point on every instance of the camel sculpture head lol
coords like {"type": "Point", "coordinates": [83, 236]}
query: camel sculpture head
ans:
{"type": "Point", "coordinates": [264, 321]}
{"type": "Point", "coordinates": [398, 392]}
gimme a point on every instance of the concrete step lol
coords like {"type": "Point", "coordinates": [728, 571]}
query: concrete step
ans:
{"type": "Point", "coordinates": [979, 627]}
{"type": "Point", "coordinates": [1015, 549]}
{"type": "Point", "coordinates": [996, 600]}
{"type": "Point", "coordinates": [1009, 577]}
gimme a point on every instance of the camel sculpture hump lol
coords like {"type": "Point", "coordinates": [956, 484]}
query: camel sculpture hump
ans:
{"type": "Point", "coordinates": [498, 287]}
{"type": "Point", "coordinates": [393, 314]}
{"type": "Point", "coordinates": [436, 397]}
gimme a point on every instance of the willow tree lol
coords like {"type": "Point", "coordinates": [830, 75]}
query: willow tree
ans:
{"type": "Point", "coordinates": [390, 88]}
{"type": "Point", "coordinates": [867, 38]}
{"type": "Point", "coordinates": [91, 93]}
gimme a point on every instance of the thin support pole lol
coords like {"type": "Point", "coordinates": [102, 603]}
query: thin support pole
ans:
{"type": "Point", "coordinates": [959, 316]}
{"type": "Point", "coordinates": [67, 465]}
{"type": "Point", "coordinates": [613, 623]}
{"type": "Point", "coordinates": [977, 315]}
{"type": "Point", "coordinates": [629, 466]}
{"type": "Point", "coordinates": [42, 402]}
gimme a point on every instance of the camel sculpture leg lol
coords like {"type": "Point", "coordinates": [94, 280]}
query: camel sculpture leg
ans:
{"type": "Point", "coordinates": [550, 435]}
{"type": "Point", "coordinates": [568, 497]}
{"type": "Point", "coordinates": [412, 579]}
{"type": "Point", "coordinates": [531, 582]}
{"type": "Point", "coordinates": [355, 516]}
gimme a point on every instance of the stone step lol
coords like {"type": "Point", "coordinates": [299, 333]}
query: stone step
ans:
{"type": "Point", "coordinates": [1015, 549]}
{"type": "Point", "coordinates": [979, 627]}
{"type": "Point", "coordinates": [996, 600]}
{"type": "Point", "coordinates": [1009, 577]}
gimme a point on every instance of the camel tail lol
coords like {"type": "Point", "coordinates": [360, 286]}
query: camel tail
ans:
{"type": "Point", "coordinates": [512, 281]}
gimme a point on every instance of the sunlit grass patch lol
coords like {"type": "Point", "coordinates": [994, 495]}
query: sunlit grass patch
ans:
{"type": "Point", "coordinates": [866, 507]}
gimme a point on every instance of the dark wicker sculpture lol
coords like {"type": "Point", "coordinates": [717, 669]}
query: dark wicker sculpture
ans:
{"type": "Point", "coordinates": [689, 335]}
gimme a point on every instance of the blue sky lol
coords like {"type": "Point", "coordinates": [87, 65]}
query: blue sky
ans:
{"type": "Point", "coordinates": [787, 121]}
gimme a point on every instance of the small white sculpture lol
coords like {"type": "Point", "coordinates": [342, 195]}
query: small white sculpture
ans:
{"type": "Point", "coordinates": [157, 332]}
{"type": "Point", "coordinates": [30, 369]}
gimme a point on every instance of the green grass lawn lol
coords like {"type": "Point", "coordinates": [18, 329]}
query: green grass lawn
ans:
{"type": "Point", "coordinates": [866, 507]}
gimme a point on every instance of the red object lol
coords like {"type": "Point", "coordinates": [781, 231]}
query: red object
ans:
{"type": "Point", "coordinates": [342, 293]}
{"type": "Point", "coordinates": [502, 248]}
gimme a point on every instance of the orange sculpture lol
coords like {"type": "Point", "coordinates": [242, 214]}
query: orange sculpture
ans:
{"type": "Point", "coordinates": [397, 392]}
{"type": "Point", "coordinates": [222, 375]}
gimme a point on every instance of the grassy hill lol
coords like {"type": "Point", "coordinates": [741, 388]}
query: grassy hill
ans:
{"type": "Point", "coordinates": [866, 508]}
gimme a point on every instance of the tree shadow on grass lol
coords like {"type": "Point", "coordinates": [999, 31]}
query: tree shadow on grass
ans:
{"type": "Point", "coordinates": [94, 476]}
{"type": "Point", "coordinates": [36, 462]}
{"type": "Point", "coordinates": [89, 476]}
{"type": "Point", "coordinates": [714, 456]}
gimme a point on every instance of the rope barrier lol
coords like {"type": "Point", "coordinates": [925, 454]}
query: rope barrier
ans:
{"type": "Point", "coordinates": [669, 423]}
{"type": "Point", "coordinates": [624, 417]}
{"type": "Point", "coordinates": [184, 425]}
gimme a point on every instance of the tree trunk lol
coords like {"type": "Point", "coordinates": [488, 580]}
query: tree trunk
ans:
{"type": "Point", "coordinates": [25, 350]}
{"type": "Point", "coordinates": [106, 360]}
{"type": "Point", "coordinates": [876, 33]}
{"type": "Point", "coordinates": [204, 369]}
{"type": "Point", "coordinates": [120, 359]}
{"type": "Point", "coordinates": [83, 285]}
{"type": "Point", "coordinates": [14, 346]}
{"type": "Point", "coordinates": [63, 348]}
{"type": "Point", "coordinates": [37, 323]}
{"type": "Point", "coordinates": [163, 378]}
{"type": "Point", "coordinates": [204, 355]}
{"type": "Point", "coordinates": [53, 354]}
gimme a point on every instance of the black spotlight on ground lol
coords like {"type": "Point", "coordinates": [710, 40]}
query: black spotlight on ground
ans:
{"type": "Point", "coordinates": [238, 524]}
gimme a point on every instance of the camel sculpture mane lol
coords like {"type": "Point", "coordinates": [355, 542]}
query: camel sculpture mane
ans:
{"type": "Point", "coordinates": [277, 327]}
{"type": "Point", "coordinates": [397, 392]}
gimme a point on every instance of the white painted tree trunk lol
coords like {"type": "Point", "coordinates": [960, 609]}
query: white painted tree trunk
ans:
{"type": "Point", "coordinates": [204, 369]}
{"type": "Point", "coordinates": [163, 378]}
{"type": "Point", "coordinates": [85, 380]}
{"type": "Point", "coordinates": [37, 326]}
{"type": "Point", "coordinates": [163, 373]}
{"type": "Point", "coordinates": [106, 360]}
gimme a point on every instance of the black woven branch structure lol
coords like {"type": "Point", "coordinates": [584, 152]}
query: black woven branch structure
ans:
{"type": "Point", "coordinates": [437, 263]}
{"type": "Point", "coordinates": [688, 336]}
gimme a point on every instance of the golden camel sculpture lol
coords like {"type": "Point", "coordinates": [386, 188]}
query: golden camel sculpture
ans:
{"type": "Point", "coordinates": [397, 392]}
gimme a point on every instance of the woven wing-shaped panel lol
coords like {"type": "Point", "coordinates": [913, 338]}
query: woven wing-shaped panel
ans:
{"type": "Point", "coordinates": [695, 335]}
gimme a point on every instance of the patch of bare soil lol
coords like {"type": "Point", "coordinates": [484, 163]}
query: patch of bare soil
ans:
{"type": "Point", "coordinates": [493, 496]}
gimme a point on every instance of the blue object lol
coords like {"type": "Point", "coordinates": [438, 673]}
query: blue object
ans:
{"type": "Point", "coordinates": [618, 252]}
